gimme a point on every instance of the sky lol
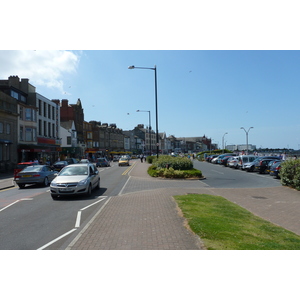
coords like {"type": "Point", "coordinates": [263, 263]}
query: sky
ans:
{"type": "Point", "coordinates": [199, 92]}
{"type": "Point", "coordinates": [221, 65]}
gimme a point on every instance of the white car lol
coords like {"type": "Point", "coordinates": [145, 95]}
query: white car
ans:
{"type": "Point", "coordinates": [232, 162]}
{"type": "Point", "coordinates": [75, 179]}
{"type": "Point", "coordinates": [214, 160]}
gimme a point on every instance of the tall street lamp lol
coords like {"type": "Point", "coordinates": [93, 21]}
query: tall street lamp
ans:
{"type": "Point", "coordinates": [247, 132]}
{"type": "Point", "coordinates": [155, 79]}
{"type": "Point", "coordinates": [148, 111]}
{"type": "Point", "coordinates": [223, 140]}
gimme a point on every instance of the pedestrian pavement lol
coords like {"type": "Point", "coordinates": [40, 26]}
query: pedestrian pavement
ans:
{"type": "Point", "coordinates": [144, 216]}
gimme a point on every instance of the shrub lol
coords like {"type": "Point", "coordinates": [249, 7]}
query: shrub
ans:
{"type": "Point", "coordinates": [290, 173]}
{"type": "Point", "coordinates": [171, 173]}
{"type": "Point", "coordinates": [149, 159]}
{"type": "Point", "coordinates": [177, 163]}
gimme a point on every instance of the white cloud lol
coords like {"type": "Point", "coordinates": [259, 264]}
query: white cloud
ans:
{"type": "Point", "coordinates": [43, 68]}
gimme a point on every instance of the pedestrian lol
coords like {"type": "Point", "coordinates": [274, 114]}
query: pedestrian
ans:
{"type": "Point", "coordinates": [141, 157]}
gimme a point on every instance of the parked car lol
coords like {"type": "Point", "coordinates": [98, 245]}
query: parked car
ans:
{"type": "Point", "coordinates": [232, 162]}
{"type": "Point", "coordinates": [124, 161]}
{"type": "Point", "coordinates": [75, 179]}
{"type": "Point", "coordinates": [84, 161]}
{"type": "Point", "coordinates": [210, 157]}
{"type": "Point", "coordinates": [270, 164]}
{"type": "Point", "coordinates": [275, 170]}
{"type": "Point", "coordinates": [102, 162]}
{"type": "Point", "coordinates": [220, 157]}
{"type": "Point", "coordinates": [58, 165]}
{"type": "Point", "coordinates": [21, 166]}
{"type": "Point", "coordinates": [215, 160]}
{"type": "Point", "coordinates": [244, 159]}
{"type": "Point", "coordinates": [71, 160]}
{"type": "Point", "coordinates": [250, 167]}
{"type": "Point", "coordinates": [224, 160]}
{"type": "Point", "coordinates": [262, 165]}
{"type": "Point", "coordinates": [35, 174]}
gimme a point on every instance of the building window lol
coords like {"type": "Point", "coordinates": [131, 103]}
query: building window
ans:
{"type": "Point", "coordinates": [68, 140]}
{"type": "Point", "coordinates": [45, 128]}
{"type": "Point", "coordinates": [21, 133]}
{"type": "Point", "coordinates": [40, 107]}
{"type": "Point", "coordinates": [21, 113]}
{"type": "Point", "coordinates": [34, 134]}
{"type": "Point", "coordinates": [45, 109]}
{"type": "Point", "coordinates": [49, 129]}
{"type": "Point", "coordinates": [28, 134]}
{"type": "Point", "coordinates": [34, 115]}
{"type": "Point", "coordinates": [7, 128]}
{"type": "Point", "coordinates": [28, 114]}
{"type": "Point", "coordinates": [1, 127]}
{"type": "Point", "coordinates": [14, 94]}
{"type": "Point", "coordinates": [53, 130]}
{"type": "Point", "coordinates": [53, 112]}
{"type": "Point", "coordinates": [40, 128]}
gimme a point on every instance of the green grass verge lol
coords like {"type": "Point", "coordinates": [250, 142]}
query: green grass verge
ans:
{"type": "Point", "coordinates": [223, 225]}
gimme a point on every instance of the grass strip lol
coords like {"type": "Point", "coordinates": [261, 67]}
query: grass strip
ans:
{"type": "Point", "coordinates": [223, 225]}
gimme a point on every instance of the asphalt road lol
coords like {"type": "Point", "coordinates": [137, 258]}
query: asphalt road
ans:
{"type": "Point", "coordinates": [31, 220]}
{"type": "Point", "coordinates": [218, 176]}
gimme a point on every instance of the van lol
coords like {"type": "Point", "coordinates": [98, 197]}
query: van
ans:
{"type": "Point", "coordinates": [243, 159]}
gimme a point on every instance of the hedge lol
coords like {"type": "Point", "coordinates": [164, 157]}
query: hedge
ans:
{"type": "Point", "coordinates": [290, 173]}
{"type": "Point", "coordinates": [177, 163]}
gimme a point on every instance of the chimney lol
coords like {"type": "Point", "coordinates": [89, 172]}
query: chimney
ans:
{"type": "Point", "coordinates": [14, 81]}
{"type": "Point", "coordinates": [64, 102]}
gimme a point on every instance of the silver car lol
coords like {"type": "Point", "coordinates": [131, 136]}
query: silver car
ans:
{"type": "Point", "coordinates": [75, 179]}
{"type": "Point", "coordinates": [38, 174]}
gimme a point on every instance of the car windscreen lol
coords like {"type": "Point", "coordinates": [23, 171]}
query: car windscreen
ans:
{"type": "Point", "coordinates": [32, 169]}
{"type": "Point", "coordinates": [74, 171]}
{"type": "Point", "coordinates": [22, 166]}
{"type": "Point", "coordinates": [61, 162]}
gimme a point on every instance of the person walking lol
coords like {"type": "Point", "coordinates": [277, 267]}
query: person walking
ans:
{"type": "Point", "coordinates": [141, 157]}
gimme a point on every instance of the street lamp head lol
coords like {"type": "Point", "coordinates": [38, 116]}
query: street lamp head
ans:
{"type": "Point", "coordinates": [131, 67]}
{"type": "Point", "coordinates": [138, 110]}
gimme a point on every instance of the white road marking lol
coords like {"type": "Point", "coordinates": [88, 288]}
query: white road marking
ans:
{"type": "Point", "coordinates": [77, 223]}
{"type": "Point", "coordinates": [60, 237]}
{"type": "Point", "coordinates": [87, 225]}
{"type": "Point", "coordinates": [78, 218]}
{"type": "Point", "coordinates": [9, 205]}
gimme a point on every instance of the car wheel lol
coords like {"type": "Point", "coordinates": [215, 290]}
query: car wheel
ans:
{"type": "Point", "coordinates": [46, 181]}
{"type": "Point", "coordinates": [21, 185]}
{"type": "Point", "coordinates": [89, 191]}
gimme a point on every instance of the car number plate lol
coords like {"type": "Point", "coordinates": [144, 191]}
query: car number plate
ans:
{"type": "Point", "coordinates": [26, 175]}
{"type": "Point", "coordinates": [66, 190]}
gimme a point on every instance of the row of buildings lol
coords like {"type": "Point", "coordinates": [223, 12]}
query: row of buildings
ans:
{"type": "Point", "coordinates": [35, 127]}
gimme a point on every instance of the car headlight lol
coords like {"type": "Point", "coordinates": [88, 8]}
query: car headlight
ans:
{"type": "Point", "coordinates": [83, 182]}
{"type": "Point", "coordinates": [53, 184]}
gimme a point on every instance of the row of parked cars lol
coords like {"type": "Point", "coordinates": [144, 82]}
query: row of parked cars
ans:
{"type": "Point", "coordinates": [35, 173]}
{"type": "Point", "coordinates": [250, 163]}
